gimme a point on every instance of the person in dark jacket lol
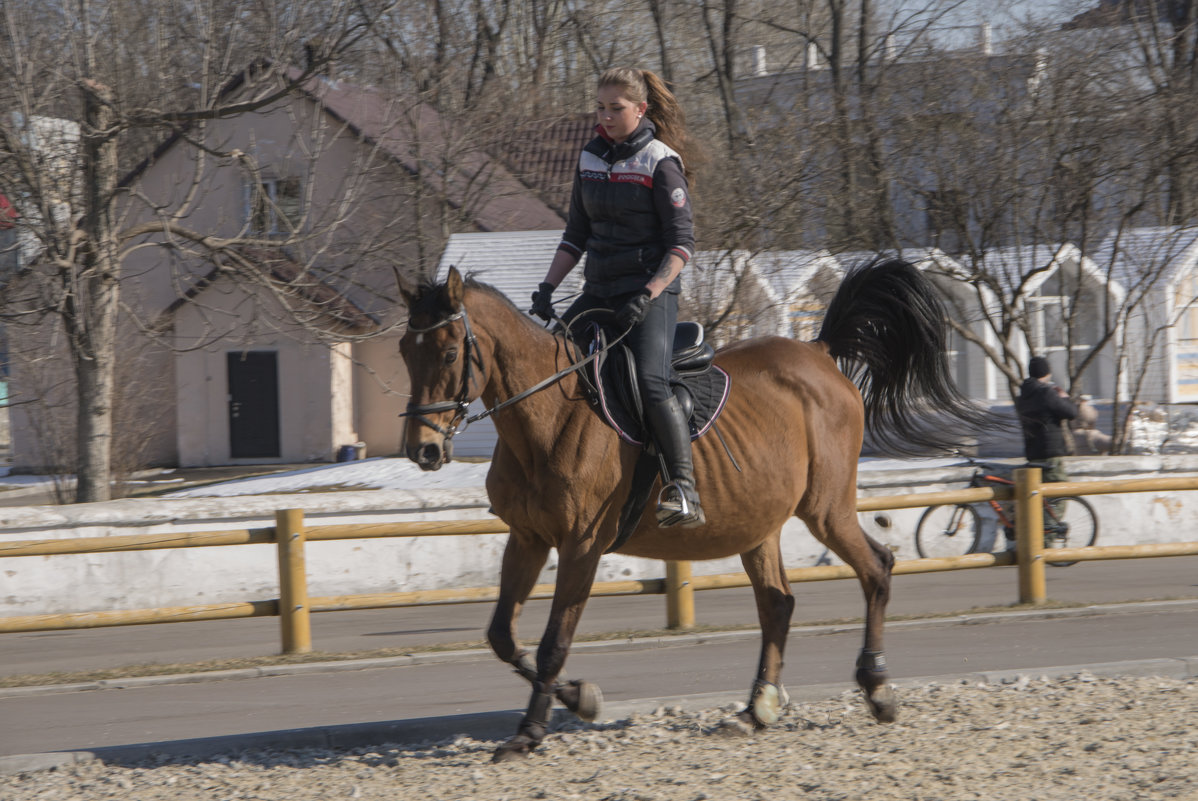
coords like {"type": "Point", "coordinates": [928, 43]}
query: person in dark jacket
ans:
{"type": "Point", "coordinates": [1042, 407]}
{"type": "Point", "coordinates": [630, 213]}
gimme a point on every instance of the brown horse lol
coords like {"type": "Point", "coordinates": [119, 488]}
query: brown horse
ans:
{"type": "Point", "coordinates": [795, 422]}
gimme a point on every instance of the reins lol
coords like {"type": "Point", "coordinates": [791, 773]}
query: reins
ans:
{"type": "Point", "coordinates": [462, 404]}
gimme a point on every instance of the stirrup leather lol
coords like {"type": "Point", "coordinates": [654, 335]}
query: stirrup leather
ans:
{"type": "Point", "coordinates": [674, 509]}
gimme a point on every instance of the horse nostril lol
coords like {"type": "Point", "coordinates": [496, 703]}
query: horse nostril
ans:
{"type": "Point", "coordinates": [429, 455]}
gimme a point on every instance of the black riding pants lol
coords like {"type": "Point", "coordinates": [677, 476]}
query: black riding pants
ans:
{"type": "Point", "coordinates": [651, 340]}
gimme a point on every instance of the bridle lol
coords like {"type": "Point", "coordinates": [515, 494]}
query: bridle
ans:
{"type": "Point", "coordinates": [472, 358]}
{"type": "Point", "coordinates": [462, 403]}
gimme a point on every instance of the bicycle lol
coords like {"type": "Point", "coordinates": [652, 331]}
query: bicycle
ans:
{"type": "Point", "coordinates": [956, 529]}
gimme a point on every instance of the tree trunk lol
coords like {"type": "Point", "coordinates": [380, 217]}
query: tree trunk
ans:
{"type": "Point", "coordinates": [95, 377]}
{"type": "Point", "coordinates": [723, 56]}
{"type": "Point", "coordinates": [660, 12]}
{"type": "Point", "coordinates": [96, 298]}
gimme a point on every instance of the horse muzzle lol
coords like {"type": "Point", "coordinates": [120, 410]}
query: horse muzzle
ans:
{"type": "Point", "coordinates": [431, 455]}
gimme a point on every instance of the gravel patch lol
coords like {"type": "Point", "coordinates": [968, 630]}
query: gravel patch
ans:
{"type": "Point", "coordinates": [1102, 739]}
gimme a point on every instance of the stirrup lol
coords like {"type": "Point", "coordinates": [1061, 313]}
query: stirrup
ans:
{"type": "Point", "coordinates": [673, 508]}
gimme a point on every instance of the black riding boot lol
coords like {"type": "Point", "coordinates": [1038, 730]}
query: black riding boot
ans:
{"type": "Point", "coordinates": [678, 503]}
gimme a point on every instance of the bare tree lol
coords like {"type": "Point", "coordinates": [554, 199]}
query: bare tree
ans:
{"type": "Point", "coordinates": [133, 73]}
{"type": "Point", "coordinates": [1066, 144]}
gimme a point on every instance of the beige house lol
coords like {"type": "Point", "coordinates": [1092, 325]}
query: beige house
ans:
{"type": "Point", "coordinates": [283, 347]}
{"type": "Point", "coordinates": [1155, 273]}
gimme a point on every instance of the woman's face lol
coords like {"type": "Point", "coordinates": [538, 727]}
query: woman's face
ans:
{"type": "Point", "coordinates": [618, 115]}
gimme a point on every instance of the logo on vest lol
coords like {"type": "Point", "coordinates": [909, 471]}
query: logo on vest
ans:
{"type": "Point", "coordinates": [678, 197]}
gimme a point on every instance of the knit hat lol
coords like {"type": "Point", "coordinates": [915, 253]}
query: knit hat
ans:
{"type": "Point", "coordinates": [1038, 367]}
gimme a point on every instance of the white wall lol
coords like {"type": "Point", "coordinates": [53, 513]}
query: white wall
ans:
{"type": "Point", "coordinates": [190, 576]}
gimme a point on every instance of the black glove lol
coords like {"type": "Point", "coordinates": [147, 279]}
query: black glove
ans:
{"type": "Point", "coordinates": [542, 302]}
{"type": "Point", "coordinates": [634, 310]}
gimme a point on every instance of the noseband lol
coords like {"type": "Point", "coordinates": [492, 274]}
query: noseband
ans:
{"type": "Point", "coordinates": [462, 403]}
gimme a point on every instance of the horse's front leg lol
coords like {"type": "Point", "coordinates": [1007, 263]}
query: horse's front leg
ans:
{"type": "Point", "coordinates": [576, 574]}
{"type": "Point", "coordinates": [522, 563]}
{"type": "Point", "coordinates": [523, 558]}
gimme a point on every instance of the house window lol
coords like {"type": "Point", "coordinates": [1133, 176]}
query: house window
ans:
{"type": "Point", "coordinates": [273, 207]}
{"type": "Point", "coordinates": [1186, 358]}
{"type": "Point", "coordinates": [1048, 320]}
{"type": "Point", "coordinates": [806, 315]}
{"type": "Point", "coordinates": [10, 251]}
{"type": "Point", "coordinates": [1185, 299]}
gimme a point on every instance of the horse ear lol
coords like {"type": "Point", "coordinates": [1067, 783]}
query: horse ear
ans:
{"type": "Point", "coordinates": [453, 293]}
{"type": "Point", "coordinates": [407, 297]}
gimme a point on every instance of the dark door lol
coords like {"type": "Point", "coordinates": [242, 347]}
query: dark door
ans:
{"type": "Point", "coordinates": [253, 404]}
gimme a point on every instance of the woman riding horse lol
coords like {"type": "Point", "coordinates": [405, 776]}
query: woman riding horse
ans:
{"type": "Point", "coordinates": [560, 476]}
{"type": "Point", "coordinates": [630, 213]}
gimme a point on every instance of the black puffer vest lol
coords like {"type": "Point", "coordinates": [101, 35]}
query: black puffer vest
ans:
{"type": "Point", "coordinates": [624, 234]}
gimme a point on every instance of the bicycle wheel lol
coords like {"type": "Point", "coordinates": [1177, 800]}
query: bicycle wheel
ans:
{"type": "Point", "coordinates": [948, 531]}
{"type": "Point", "coordinates": [1069, 522]}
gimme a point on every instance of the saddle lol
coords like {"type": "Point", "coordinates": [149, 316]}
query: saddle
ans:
{"type": "Point", "coordinates": [700, 387]}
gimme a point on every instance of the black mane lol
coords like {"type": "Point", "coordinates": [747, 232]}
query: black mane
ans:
{"type": "Point", "coordinates": [428, 302]}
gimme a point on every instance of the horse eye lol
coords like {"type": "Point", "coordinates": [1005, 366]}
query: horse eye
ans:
{"type": "Point", "coordinates": [451, 356]}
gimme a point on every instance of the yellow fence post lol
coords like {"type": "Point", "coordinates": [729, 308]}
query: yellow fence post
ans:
{"type": "Point", "coordinates": [680, 596]}
{"type": "Point", "coordinates": [294, 611]}
{"type": "Point", "coordinates": [1029, 535]}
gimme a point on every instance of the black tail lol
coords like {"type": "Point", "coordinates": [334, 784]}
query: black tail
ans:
{"type": "Point", "coordinates": [888, 330]}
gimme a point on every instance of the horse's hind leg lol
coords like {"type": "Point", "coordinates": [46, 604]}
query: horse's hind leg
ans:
{"type": "Point", "coordinates": [872, 675]}
{"type": "Point", "coordinates": [775, 605]}
{"type": "Point", "coordinates": [872, 562]}
{"type": "Point", "coordinates": [522, 563]}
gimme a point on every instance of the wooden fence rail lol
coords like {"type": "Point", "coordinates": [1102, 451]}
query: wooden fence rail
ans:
{"type": "Point", "coordinates": [294, 606]}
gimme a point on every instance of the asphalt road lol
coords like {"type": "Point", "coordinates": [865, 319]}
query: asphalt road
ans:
{"type": "Point", "coordinates": [75, 721]}
{"type": "Point", "coordinates": [429, 694]}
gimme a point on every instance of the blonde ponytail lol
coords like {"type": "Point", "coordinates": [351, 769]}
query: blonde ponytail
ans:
{"type": "Point", "coordinates": [667, 116]}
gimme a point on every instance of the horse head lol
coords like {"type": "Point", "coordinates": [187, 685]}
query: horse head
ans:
{"type": "Point", "coordinates": [444, 369]}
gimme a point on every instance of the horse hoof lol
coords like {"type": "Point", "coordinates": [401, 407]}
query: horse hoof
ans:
{"type": "Point", "coordinates": [583, 698]}
{"type": "Point", "coordinates": [519, 747]}
{"type": "Point", "coordinates": [767, 704]}
{"type": "Point", "coordinates": [882, 703]}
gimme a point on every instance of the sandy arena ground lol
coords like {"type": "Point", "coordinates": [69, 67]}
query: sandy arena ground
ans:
{"type": "Point", "coordinates": [1082, 737]}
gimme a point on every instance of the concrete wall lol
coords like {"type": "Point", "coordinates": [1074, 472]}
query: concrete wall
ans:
{"type": "Point", "coordinates": [188, 576]}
